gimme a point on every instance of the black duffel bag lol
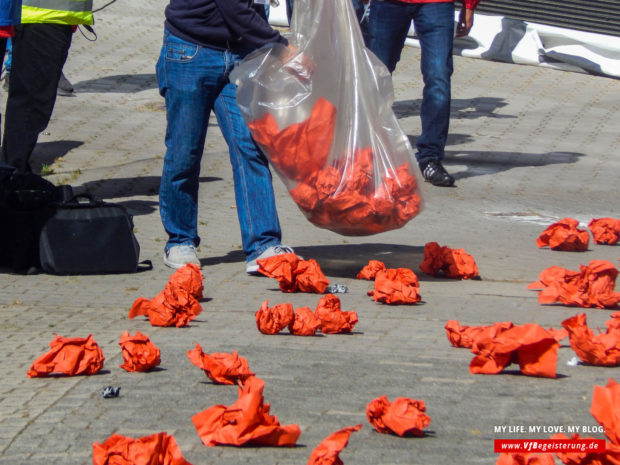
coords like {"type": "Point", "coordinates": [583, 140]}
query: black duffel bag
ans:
{"type": "Point", "coordinates": [26, 202]}
{"type": "Point", "coordinates": [89, 236]}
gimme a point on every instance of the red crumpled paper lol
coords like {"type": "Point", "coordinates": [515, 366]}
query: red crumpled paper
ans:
{"type": "Point", "coordinates": [526, 458]}
{"type": "Point", "coordinates": [605, 408]}
{"type": "Point", "coordinates": [177, 304]}
{"type": "Point", "coordinates": [370, 271]}
{"type": "Point", "coordinates": [602, 349]}
{"type": "Point", "coordinates": [592, 286]}
{"type": "Point", "coordinates": [69, 356]}
{"type": "Point", "coordinates": [293, 273]}
{"type": "Point", "coordinates": [464, 336]}
{"type": "Point", "coordinates": [531, 346]}
{"type": "Point", "coordinates": [564, 235]}
{"type": "Point", "coordinates": [300, 149]}
{"type": "Point", "coordinates": [275, 319]}
{"type": "Point", "coordinates": [333, 319]}
{"type": "Point", "coordinates": [139, 353]}
{"type": "Point", "coordinates": [344, 198]}
{"type": "Point", "coordinates": [221, 368]}
{"type": "Point", "coordinates": [156, 449]}
{"type": "Point", "coordinates": [611, 456]}
{"type": "Point", "coordinates": [247, 421]}
{"type": "Point", "coordinates": [453, 263]}
{"type": "Point", "coordinates": [403, 417]}
{"type": "Point", "coordinates": [605, 230]}
{"type": "Point", "coordinates": [305, 322]}
{"type": "Point", "coordinates": [397, 286]}
{"type": "Point", "coordinates": [326, 453]}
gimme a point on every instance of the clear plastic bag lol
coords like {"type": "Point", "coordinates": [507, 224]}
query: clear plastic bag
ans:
{"type": "Point", "coordinates": [329, 130]}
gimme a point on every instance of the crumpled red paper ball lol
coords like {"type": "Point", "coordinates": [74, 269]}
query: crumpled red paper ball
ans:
{"type": "Point", "coordinates": [275, 319]}
{"type": "Point", "coordinates": [370, 271]}
{"type": "Point", "coordinates": [333, 319]}
{"type": "Point", "coordinates": [611, 456]}
{"type": "Point", "coordinates": [70, 356]}
{"type": "Point", "coordinates": [177, 304]}
{"type": "Point", "coordinates": [305, 322]}
{"type": "Point", "coordinates": [396, 286]}
{"type": "Point", "coordinates": [605, 408]}
{"type": "Point", "coordinates": [605, 230]}
{"type": "Point", "coordinates": [156, 449]}
{"type": "Point", "coordinates": [139, 353]}
{"type": "Point", "coordinates": [294, 274]}
{"type": "Point", "coordinates": [602, 349]}
{"type": "Point", "coordinates": [403, 417]}
{"type": "Point", "coordinates": [564, 235]}
{"type": "Point", "coordinates": [221, 368]}
{"type": "Point", "coordinates": [247, 421]}
{"type": "Point", "coordinates": [453, 263]}
{"type": "Point", "coordinates": [529, 345]}
{"type": "Point", "coordinates": [464, 336]}
{"type": "Point", "coordinates": [592, 286]}
{"type": "Point", "coordinates": [326, 453]}
{"type": "Point", "coordinates": [526, 458]}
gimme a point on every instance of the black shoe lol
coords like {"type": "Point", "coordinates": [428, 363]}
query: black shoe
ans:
{"type": "Point", "coordinates": [65, 88]}
{"type": "Point", "coordinates": [434, 172]}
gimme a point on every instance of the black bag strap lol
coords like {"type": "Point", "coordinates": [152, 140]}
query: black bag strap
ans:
{"type": "Point", "coordinates": [144, 265]}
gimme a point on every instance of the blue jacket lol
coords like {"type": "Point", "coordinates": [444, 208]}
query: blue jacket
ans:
{"type": "Point", "coordinates": [10, 12]}
{"type": "Point", "coordinates": [221, 24]}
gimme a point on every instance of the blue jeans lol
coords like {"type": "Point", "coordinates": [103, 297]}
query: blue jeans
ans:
{"type": "Point", "coordinates": [194, 81]}
{"type": "Point", "coordinates": [389, 22]}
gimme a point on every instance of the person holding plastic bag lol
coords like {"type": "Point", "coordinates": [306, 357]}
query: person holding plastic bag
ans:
{"type": "Point", "coordinates": [388, 24]}
{"type": "Point", "coordinates": [332, 136]}
{"type": "Point", "coordinates": [203, 39]}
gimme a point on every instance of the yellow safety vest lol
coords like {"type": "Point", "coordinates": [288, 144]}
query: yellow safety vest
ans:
{"type": "Point", "coordinates": [70, 12]}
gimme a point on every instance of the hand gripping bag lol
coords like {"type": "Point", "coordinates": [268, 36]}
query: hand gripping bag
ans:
{"type": "Point", "coordinates": [330, 132]}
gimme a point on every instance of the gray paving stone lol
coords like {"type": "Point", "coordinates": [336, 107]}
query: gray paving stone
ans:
{"type": "Point", "coordinates": [528, 146]}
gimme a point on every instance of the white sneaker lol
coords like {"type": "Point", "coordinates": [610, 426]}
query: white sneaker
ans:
{"type": "Point", "coordinates": [180, 255]}
{"type": "Point", "coordinates": [251, 267]}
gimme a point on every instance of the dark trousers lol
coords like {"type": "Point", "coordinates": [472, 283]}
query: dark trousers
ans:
{"type": "Point", "coordinates": [39, 53]}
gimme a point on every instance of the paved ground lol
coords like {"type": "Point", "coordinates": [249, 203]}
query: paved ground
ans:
{"type": "Point", "coordinates": [528, 146]}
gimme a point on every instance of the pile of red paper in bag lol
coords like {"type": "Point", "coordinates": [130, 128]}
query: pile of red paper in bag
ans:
{"type": "Point", "coordinates": [349, 196]}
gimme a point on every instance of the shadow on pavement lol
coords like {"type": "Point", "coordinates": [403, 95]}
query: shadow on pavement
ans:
{"type": "Point", "coordinates": [483, 163]}
{"type": "Point", "coordinates": [477, 107]}
{"type": "Point", "coordinates": [46, 153]}
{"type": "Point", "coordinates": [128, 187]}
{"type": "Point", "coordinates": [346, 260]}
{"type": "Point", "coordinates": [118, 83]}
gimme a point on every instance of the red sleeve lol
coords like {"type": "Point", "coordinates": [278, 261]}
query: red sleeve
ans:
{"type": "Point", "coordinates": [471, 4]}
{"type": "Point", "coordinates": [6, 31]}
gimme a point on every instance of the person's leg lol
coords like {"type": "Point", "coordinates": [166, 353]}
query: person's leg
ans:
{"type": "Point", "coordinates": [289, 10]}
{"type": "Point", "coordinates": [2, 51]}
{"type": "Point", "coordinates": [189, 78]}
{"type": "Point", "coordinates": [434, 25]}
{"type": "Point", "coordinates": [9, 55]}
{"type": "Point", "coordinates": [39, 53]}
{"type": "Point", "coordinates": [256, 206]}
{"type": "Point", "coordinates": [388, 24]}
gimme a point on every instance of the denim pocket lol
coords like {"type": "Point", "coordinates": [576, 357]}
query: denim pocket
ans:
{"type": "Point", "coordinates": [176, 51]}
